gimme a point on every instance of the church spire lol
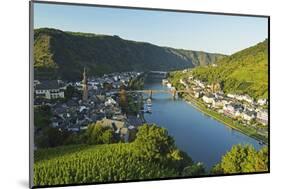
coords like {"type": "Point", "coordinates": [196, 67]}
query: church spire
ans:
{"type": "Point", "coordinates": [85, 85]}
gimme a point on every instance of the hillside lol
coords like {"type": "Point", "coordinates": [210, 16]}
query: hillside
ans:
{"type": "Point", "coordinates": [151, 155]}
{"type": "Point", "coordinates": [245, 72]}
{"type": "Point", "coordinates": [198, 58]}
{"type": "Point", "coordinates": [101, 163]}
{"type": "Point", "coordinates": [59, 54]}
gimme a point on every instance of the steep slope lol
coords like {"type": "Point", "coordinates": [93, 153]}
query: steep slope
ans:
{"type": "Point", "coordinates": [198, 58]}
{"type": "Point", "coordinates": [64, 54]}
{"type": "Point", "coordinates": [245, 72]}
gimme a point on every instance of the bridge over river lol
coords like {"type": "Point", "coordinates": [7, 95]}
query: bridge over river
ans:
{"type": "Point", "coordinates": [150, 92]}
{"type": "Point", "coordinates": [157, 74]}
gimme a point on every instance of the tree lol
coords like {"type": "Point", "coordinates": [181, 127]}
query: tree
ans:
{"type": "Point", "coordinates": [194, 170]}
{"type": "Point", "coordinates": [179, 160]}
{"type": "Point", "coordinates": [69, 92]}
{"type": "Point", "coordinates": [50, 137]}
{"type": "Point", "coordinates": [154, 142]}
{"type": "Point", "coordinates": [107, 136]}
{"type": "Point", "coordinates": [42, 116]}
{"type": "Point", "coordinates": [132, 135]}
{"type": "Point", "coordinates": [72, 92]}
{"type": "Point", "coordinates": [98, 134]}
{"type": "Point", "coordinates": [242, 159]}
{"type": "Point", "coordinates": [123, 100]}
{"type": "Point", "coordinates": [107, 86]}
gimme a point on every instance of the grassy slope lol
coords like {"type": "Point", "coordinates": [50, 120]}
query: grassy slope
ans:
{"type": "Point", "coordinates": [66, 53]}
{"type": "Point", "coordinates": [245, 72]}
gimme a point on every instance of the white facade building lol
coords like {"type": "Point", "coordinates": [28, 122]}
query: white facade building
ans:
{"type": "Point", "coordinates": [262, 117]}
{"type": "Point", "coordinates": [262, 102]}
{"type": "Point", "coordinates": [208, 99]}
{"type": "Point", "coordinates": [49, 89]}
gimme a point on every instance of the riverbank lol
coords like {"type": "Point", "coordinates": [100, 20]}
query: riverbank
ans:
{"type": "Point", "coordinates": [225, 120]}
{"type": "Point", "coordinates": [192, 129]}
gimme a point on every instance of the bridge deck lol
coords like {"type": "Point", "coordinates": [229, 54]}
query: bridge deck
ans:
{"type": "Point", "coordinates": [159, 91]}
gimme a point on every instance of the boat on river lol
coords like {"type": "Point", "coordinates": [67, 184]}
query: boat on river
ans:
{"type": "Point", "coordinates": [148, 106]}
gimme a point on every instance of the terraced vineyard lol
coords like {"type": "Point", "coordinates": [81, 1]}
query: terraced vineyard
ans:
{"type": "Point", "coordinates": [152, 155]}
{"type": "Point", "coordinates": [101, 163]}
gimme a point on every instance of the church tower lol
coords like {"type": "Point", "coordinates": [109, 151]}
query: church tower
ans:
{"type": "Point", "coordinates": [85, 86]}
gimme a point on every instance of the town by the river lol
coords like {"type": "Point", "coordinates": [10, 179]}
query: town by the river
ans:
{"type": "Point", "coordinates": [202, 137]}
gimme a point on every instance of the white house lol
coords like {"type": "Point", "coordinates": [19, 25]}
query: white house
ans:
{"type": "Point", "coordinates": [262, 102]}
{"type": "Point", "coordinates": [248, 116]}
{"type": "Point", "coordinates": [247, 98]}
{"type": "Point", "coordinates": [36, 82]}
{"type": "Point", "coordinates": [115, 78]}
{"type": "Point", "coordinates": [169, 85]}
{"type": "Point", "coordinates": [82, 108]}
{"type": "Point", "coordinates": [199, 83]}
{"type": "Point", "coordinates": [184, 83]}
{"type": "Point", "coordinates": [232, 110]}
{"type": "Point", "coordinates": [231, 95]}
{"type": "Point", "coordinates": [229, 109]}
{"type": "Point", "coordinates": [218, 104]}
{"type": "Point", "coordinates": [109, 101]}
{"type": "Point", "coordinates": [197, 94]}
{"type": "Point", "coordinates": [51, 89]}
{"type": "Point", "coordinates": [208, 99]}
{"type": "Point", "coordinates": [262, 117]}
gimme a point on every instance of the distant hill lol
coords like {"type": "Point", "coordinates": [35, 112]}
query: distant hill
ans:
{"type": "Point", "coordinates": [198, 58]}
{"type": "Point", "coordinates": [59, 54]}
{"type": "Point", "coordinates": [245, 72]}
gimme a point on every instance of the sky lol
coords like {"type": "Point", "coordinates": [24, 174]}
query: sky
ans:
{"type": "Point", "coordinates": [192, 31]}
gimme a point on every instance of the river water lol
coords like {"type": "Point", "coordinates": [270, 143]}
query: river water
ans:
{"type": "Point", "coordinates": [200, 136]}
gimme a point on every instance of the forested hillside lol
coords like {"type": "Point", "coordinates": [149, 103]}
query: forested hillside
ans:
{"type": "Point", "coordinates": [198, 58]}
{"type": "Point", "coordinates": [245, 72]}
{"type": "Point", "coordinates": [59, 54]}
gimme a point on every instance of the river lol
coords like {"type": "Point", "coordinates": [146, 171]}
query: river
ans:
{"type": "Point", "coordinates": [200, 136]}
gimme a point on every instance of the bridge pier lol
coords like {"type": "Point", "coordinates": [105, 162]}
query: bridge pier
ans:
{"type": "Point", "coordinates": [174, 93]}
{"type": "Point", "coordinates": [150, 94]}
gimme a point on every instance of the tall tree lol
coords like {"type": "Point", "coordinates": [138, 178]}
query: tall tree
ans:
{"type": "Point", "coordinates": [154, 142]}
{"type": "Point", "coordinates": [123, 100]}
{"type": "Point", "coordinates": [243, 159]}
